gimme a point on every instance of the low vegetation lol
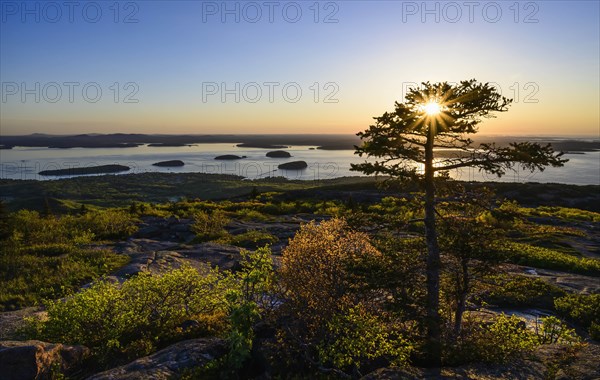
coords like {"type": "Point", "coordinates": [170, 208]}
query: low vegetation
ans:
{"type": "Point", "coordinates": [582, 309]}
{"type": "Point", "coordinates": [347, 298]}
{"type": "Point", "coordinates": [46, 256]}
{"type": "Point", "coordinates": [539, 257]}
{"type": "Point", "coordinates": [134, 319]}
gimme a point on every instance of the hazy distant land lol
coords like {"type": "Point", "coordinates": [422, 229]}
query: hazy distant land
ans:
{"type": "Point", "coordinates": [324, 141]}
{"type": "Point", "coordinates": [121, 140]}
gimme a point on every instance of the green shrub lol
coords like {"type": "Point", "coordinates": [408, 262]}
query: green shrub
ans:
{"type": "Point", "coordinates": [247, 303]}
{"type": "Point", "coordinates": [107, 224]}
{"type": "Point", "coordinates": [29, 277]}
{"type": "Point", "coordinates": [539, 257]}
{"type": "Point", "coordinates": [569, 214]}
{"type": "Point", "coordinates": [582, 309]}
{"type": "Point", "coordinates": [553, 330]}
{"type": "Point", "coordinates": [566, 213]}
{"type": "Point", "coordinates": [209, 226]}
{"type": "Point", "coordinates": [145, 311]}
{"type": "Point", "coordinates": [248, 214]}
{"type": "Point", "coordinates": [43, 257]}
{"type": "Point", "coordinates": [594, 331]}
{"type": "Point", "coordinates": [356, 336]}
{"type": "Point", "coordinates": [249, 239]}
{"type": "Point", "coordinates": [51, 249]}
{"type": "Point", "coordinates": [522, 291]}
{"type": "Point", "coordinates": [496, 342]}
{"type": "Point", "coordinates": [32, 228]}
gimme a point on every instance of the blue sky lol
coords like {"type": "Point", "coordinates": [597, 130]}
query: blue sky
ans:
{"type": "Point", "coordinates": [171, 54]}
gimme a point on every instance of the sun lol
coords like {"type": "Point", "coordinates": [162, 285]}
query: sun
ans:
{"type": "Point", "coordinates": [432, 108]}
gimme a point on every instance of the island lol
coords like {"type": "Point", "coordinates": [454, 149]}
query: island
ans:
{"type": "Point", "coordinates": [171, 163]}
{"type": "Point", "coordinates": [279, 154]}
{"type": "Point", "coordinates": [102, 169]}
{"type": "Point", "coordinates": [294, 165]}
{"type": "Point", "coordinates": [229, 157]}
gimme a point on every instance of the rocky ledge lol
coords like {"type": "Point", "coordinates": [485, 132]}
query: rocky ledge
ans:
{"type": "Point", "coordinates": [169, 362]}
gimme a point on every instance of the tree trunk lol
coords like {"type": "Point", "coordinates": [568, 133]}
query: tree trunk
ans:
{"type": "Point", "coordinates": [462, 297]}
{"type": "Point", "coordinates": [434, 345]}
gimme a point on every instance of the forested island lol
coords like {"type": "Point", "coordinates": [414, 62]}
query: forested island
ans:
{"type": "Point", "coordinates": [101, 169]}
{"type": "Point", "coordinates": [170, 163]}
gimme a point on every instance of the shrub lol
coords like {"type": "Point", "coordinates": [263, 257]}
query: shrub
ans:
{"type": "Point", "coordinates": [70, 229]}
{"type": "Point", "coordinates": [522, 291]}
{"type": "Point", "coordinates": [356, 335]}
{"type": "Point", "coordinates": [209, 226]}
{"type": "Point", "coordinates": [107, 224]}
{"type": "Point", "coordinates": [249, 214]}
{"type": "Point", "coordinates": [539, 257]}
{"type": "Point", "coordinates": [583, 310]}
{"type": "Point", "coordinates": [51, 249]}
{"type": "Point", "coordinates": [330, 305]}
{"type": "Point", "coordinates": [573, 214]}
{"type": "Point", "coordinates": [594, 331]}
{"type": "Point", "coordinates": [553, 330]}
{"type": "Point", "coordinates": [28, 276]}
{"type": "Point", "coordinates": [247, 303]}
{"type": "Point", "coordinates": [315, 269]}
{"type": "Point", "coordinates": [43, 257]}
{"type": "Point", "coordinates": [496, 342]}
{"type": "Point", "coordinates": [146, 310]}
{"type": "Point", "coordinates": [249, 239]}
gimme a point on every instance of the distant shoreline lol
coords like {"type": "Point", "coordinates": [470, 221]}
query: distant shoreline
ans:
{"type": "Point", "coordinates": [324, 141]}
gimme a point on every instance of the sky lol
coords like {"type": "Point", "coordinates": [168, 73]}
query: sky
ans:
{"type": "Point", "coordinates": [231, 67]}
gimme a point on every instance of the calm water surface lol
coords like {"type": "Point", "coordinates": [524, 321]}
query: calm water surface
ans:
{"type": "Point", "coordinates": [26, 163]}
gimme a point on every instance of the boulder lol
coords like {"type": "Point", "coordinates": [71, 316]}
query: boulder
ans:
{"type": "Point", "coordinates": [279, 154]}
{"type": "Point", "coordinates": [169, 362]}
{"type": "Point", "coordinates": [35, 359]}
{"type": "Point", "coordinates": [294, 165]}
